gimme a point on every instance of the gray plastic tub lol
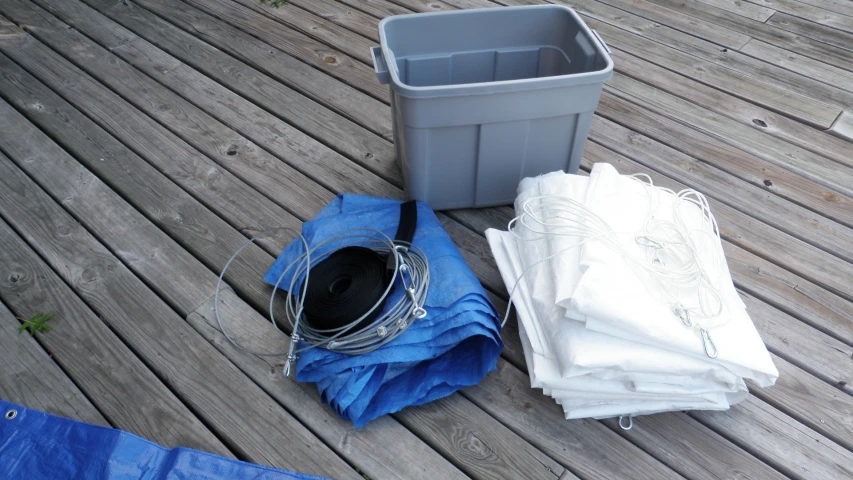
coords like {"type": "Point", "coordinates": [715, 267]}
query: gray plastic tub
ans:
{"type": "Point", "coordinates": [484, 98]}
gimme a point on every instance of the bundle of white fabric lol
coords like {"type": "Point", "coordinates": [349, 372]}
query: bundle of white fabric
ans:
{"type": "Point", "coordinates": [625, 302]}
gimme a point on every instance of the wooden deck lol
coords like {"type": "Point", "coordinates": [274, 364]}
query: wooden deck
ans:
{"type": "Point", "coordinates": [141, 143]}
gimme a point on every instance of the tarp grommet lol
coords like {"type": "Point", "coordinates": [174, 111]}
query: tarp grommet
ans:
{"type": "Point", "coordinates": [11, 414]}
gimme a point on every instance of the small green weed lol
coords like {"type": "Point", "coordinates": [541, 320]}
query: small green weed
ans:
{"type": "Point", "coordinates": [36, 324]}
{"type": "Point", "coordinates": [275, 3]}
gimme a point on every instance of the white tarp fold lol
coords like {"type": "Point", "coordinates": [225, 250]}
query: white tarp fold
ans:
{"type": "Point", "coordinates": [601, 333]}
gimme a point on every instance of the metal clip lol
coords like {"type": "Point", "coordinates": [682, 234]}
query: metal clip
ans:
{"type": "Point", "coordinates": [708, 342]}
{"type": "Point", "coordinates": [622, 424]}
{"type": "Point", "coordinates": [419, 312]}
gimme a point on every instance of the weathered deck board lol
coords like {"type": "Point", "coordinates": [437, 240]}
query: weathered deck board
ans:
{"type": "Point", "coordinates": [800, 161]}
{"type": "Point", "coordinates": [642, 17]}
{"type": "Point", "coordinates": [780, 440]}
{"type": "Point", "coordinates": [314, 26]}
{"type": "Point", "coordinates": [800, 63]}
{"type": "Point", "coordinates": [124, 389]}
{"type": "Point", "coordinates": [745, 9]}
{"type": "Point", "coordinates": [810, 12]}
{"type": "Point", "coordinates": [760, 69]}
{"type": "Point", "coordinates": [29, 376]}
{"type": "Point", "coordinates": [340, 97]}
{"type": "Point", "coordinates": [748, 114]}
{"type": "Point", "coordinates": [807, 28]}
{"type": "Point", "coordinates": [806, 42]}
{"type": "Point", "coordinates": [235, 407]}
{"type": "Point", "coordinates": [739, 163]}
{"type": "Point", "coordinates": [314, 119]}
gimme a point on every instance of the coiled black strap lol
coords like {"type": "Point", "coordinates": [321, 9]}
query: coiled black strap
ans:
{"type": "Point", "coordinates": [351, 282]}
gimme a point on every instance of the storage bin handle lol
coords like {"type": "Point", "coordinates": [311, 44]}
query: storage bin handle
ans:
{"type": "Point", "coordinates": [598, 37]}
{"type": "Point", "coordinates": [380, 66]}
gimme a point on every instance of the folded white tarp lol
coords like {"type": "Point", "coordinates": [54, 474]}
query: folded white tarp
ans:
{"type": "Point", "coordinates": [600, 335]}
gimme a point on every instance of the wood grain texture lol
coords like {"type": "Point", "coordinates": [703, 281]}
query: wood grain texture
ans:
{"type": "Point", "coordinates": [327, 167]}
{"type": "Point", "coordinates": [812, 13]}
{"type": "Point", "coordinates": [293, 17]}
{"type": "Point", "coordinates": [721, 77]}
{"type": "Point", "coordinates": [300, 76]}
{"type": "Point", "coordinates": [669, 26]}
{"type": "Point", "coordinates": [748, 114]}
{"type": "Point", "coordinates": [727, 64]}
{"type": "Point", "coordinates": [780, 440]}
{"type": "Point", "coordinates": [383, 8]}
{"type": "Point", "coordinates": [182, 121]}
{"type": "Point", "coordinates": [803, 42]}
{"type": "Point", "coordinates": [824, 408]}
{"type": "Point", "coordinates": [122, 387]}
{"type": "Point", "coordinates": [764, 175]}
{"type": "Point", "coordinates": [342, 14]}
{"type": "Point", "coordinates": [297, 44]}
{"type": "Point", "coordinates": [681, 37]}
{"type": "Point", "coordinates": [838, 6]}
{"type": "Point", "coordinates": [821, 355]}
{"type": "Point", "coordinates": [830, 340]}
{"type": "Point", "coordinates": [478, 245]}
{"type": "Point", "coordinates": [745, 9]}
{"type": "Point", "coordinates": [163, 202]}
{"type": "Point", "coordinates": [298, 149]}
{"type": "Point", "coordinates": [588, 447]}
{"type": "Point", "coordinates": [483, 447]}
{"type": "Point", "coordinates": [800, 161]}
{"type": "Point", "coordinates": [800, 63]}
{"type": "Point", "coordinates": [686, 439]}
{"type": "Point", "coordinates": [218, 67]}
{"type": "Point", "coordinates": [163, 147]}
{"type": "Point", "coordinates": [30, 377]}
{"type": "Point", "coordinates": [235, 408]}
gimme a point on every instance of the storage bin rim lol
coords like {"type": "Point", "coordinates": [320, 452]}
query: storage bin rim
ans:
{"type": "Point", "coordinates": [403, 89]}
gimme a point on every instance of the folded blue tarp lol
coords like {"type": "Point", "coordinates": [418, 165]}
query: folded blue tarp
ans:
{"type": "Point", "coordinates": [35, 445]}
{"type": "Point", "coordinates": [453, 347]}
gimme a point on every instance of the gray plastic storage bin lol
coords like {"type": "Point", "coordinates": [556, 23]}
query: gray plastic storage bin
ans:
{"type": "Point", "coordinates": [483, 98]}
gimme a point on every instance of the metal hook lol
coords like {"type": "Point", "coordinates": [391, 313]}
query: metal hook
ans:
{"type": "Point", "coordinates": [630, 424]}
{"type": "Point", "coordinates": [708, 342]}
